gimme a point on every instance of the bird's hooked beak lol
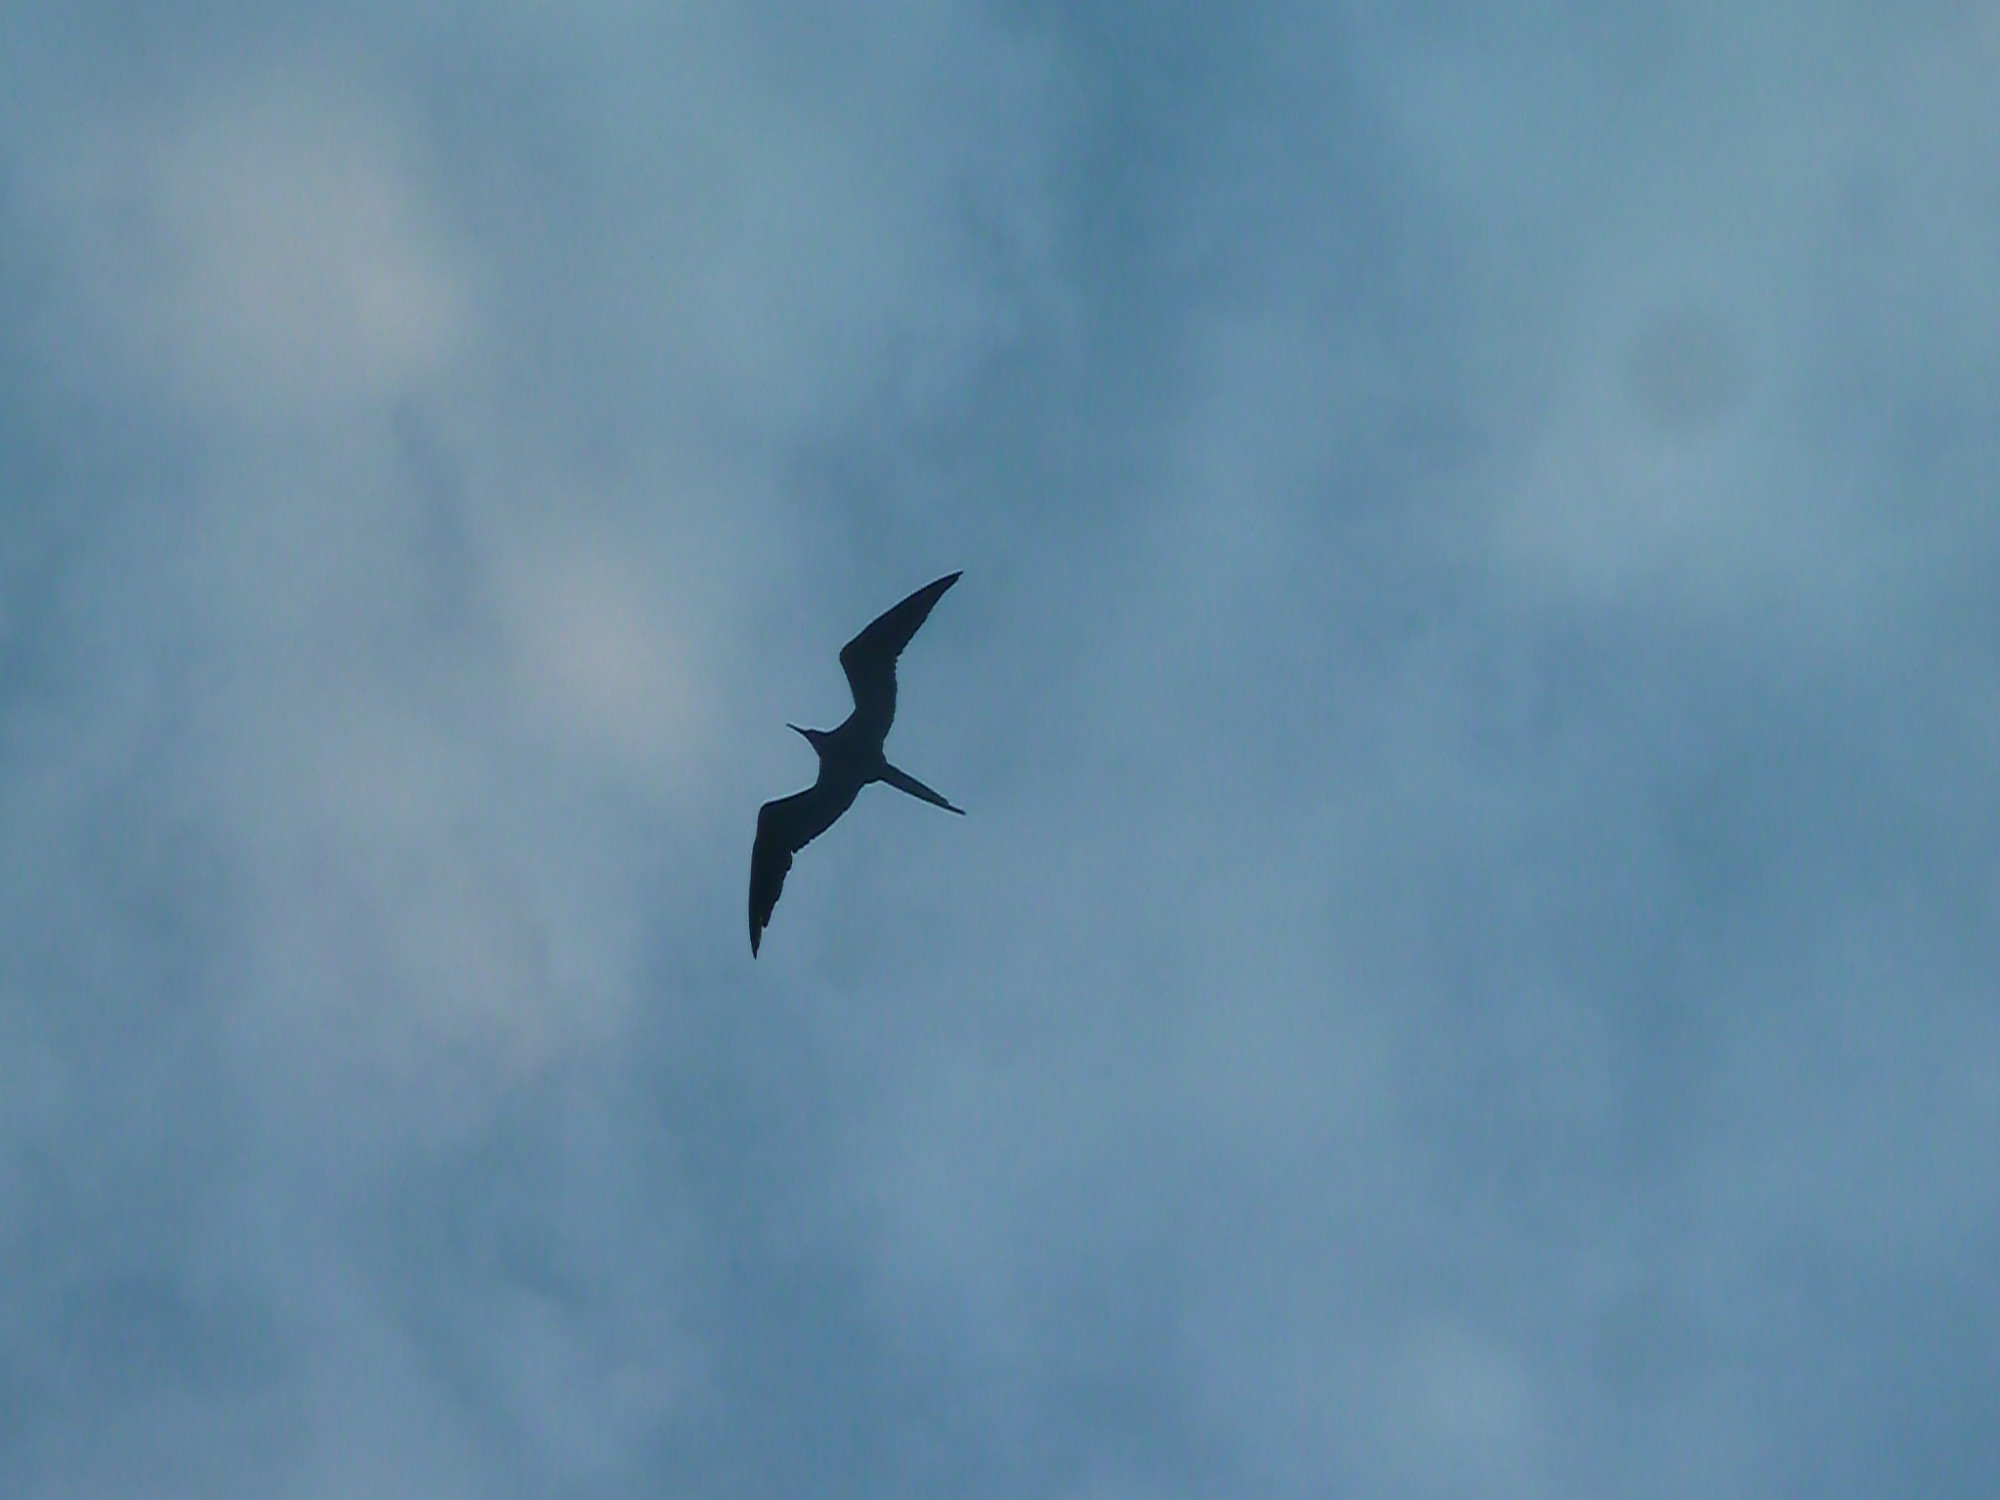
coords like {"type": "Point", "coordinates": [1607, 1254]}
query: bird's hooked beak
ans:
{"type": "Point", "coordinates": [807, 733]}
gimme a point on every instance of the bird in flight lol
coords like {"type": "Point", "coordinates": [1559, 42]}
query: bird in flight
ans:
{"type": "Point", "coordinates": [849, 757]}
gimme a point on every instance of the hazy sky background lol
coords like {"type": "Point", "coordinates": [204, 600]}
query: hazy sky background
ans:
{"type": "Point", "coordinates": [1471, 968]}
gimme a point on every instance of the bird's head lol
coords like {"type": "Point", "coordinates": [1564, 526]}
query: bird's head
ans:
{"type": "Point", "coordinates": [813, 736]}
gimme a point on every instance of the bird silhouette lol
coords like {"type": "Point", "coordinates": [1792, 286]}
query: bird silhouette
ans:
{"type": "Point", "coordinates": [849, 757]}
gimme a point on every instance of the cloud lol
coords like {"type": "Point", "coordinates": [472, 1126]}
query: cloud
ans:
{"type": "Point", "coordinates": [259, 249]}
{"type": "Point", "coordinates": [1465, 969]}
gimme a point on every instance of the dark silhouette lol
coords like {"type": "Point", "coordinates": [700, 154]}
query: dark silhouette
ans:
{"type": "Point", "coordinates": [849, 757]}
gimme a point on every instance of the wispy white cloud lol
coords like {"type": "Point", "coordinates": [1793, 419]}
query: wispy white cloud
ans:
{"type": "Point", "coordinates": [259, 248]}
{"type": "Point", "coordinates": [1464, 971]}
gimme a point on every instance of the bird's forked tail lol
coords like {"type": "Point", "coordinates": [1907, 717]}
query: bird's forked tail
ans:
{"type": "Point", "coordinates": [903, 781]}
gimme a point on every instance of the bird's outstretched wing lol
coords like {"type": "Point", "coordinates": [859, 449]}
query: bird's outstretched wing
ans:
{"type": "Point", "coordinates": [783, 828]}
{"type": "Point", "coordinates": [870, 658]}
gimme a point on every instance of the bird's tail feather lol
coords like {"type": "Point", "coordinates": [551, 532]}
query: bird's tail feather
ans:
{"type": "Point", "coordinates": [903, 781]}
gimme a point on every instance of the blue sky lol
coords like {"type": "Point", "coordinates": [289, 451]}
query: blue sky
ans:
{"type": "Point", "coordinates": [1469, 971]}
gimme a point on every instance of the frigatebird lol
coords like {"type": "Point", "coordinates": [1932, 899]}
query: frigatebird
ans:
{"type": "Point", "coordinates": [849, 757]}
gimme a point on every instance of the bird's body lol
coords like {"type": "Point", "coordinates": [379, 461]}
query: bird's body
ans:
{"type": "Point", "coordinates": [850, 756]}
